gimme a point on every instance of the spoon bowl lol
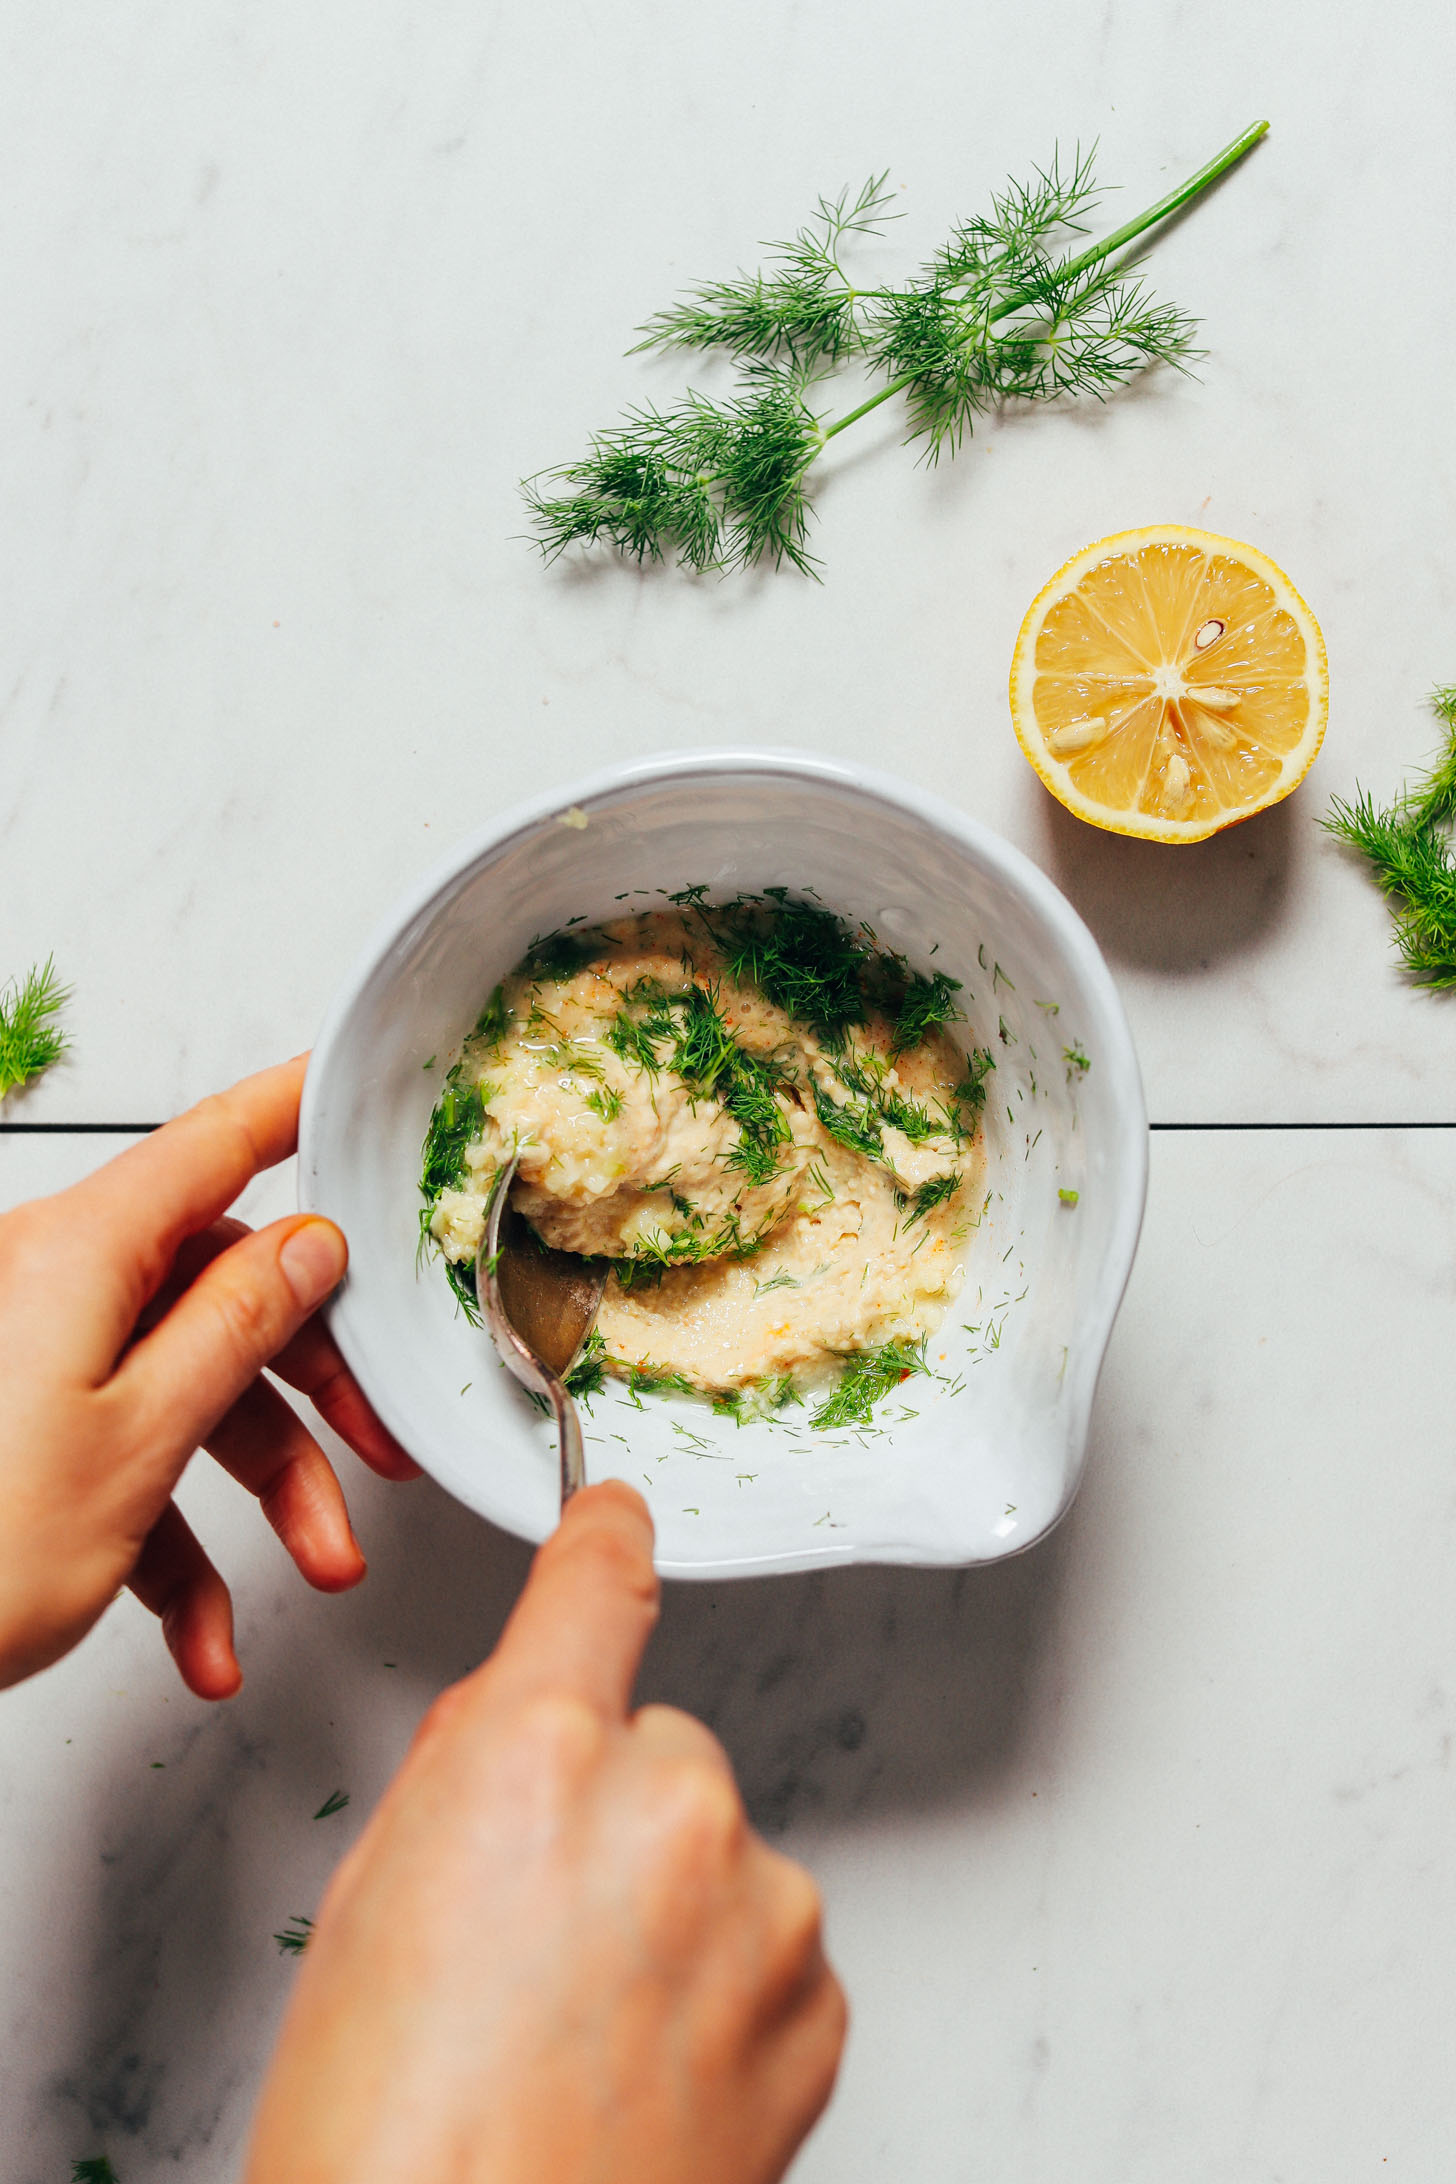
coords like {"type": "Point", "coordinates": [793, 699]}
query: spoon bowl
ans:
{"type": "Point", "coordinates": [539, 1305]}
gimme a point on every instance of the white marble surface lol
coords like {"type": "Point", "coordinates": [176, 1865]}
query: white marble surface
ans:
{"type": "Point", "coordinates": [1137, 1851]}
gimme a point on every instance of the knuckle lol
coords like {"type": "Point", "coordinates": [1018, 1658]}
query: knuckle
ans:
{"type": "Point", "coordinates": [248, 1316]}
{"type": "Point", "coordinates": [558, 1731]}
{"type": "Point", "coordinates": [604, 1553]}
{"type": "Point", "coordinates": [702, 1810]}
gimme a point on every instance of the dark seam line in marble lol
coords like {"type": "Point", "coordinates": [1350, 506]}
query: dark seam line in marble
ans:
{"type": "Point", "coordinates": [1302, 1125]}
{"type": "Point", "coordinates": [142, 1129]}
{"type": "Point", "coordinates": [77, 1129]}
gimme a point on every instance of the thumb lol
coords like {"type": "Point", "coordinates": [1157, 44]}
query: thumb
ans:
{"type": "Point", "coordinates": [589, 1606]}
{"type": "Point", "coordinates": [243, 1307]}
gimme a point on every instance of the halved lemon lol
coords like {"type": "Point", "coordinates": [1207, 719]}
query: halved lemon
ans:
{"type": "Point", "coordinates": [1168, 683]}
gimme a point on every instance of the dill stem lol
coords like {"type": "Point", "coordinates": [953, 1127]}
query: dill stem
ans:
{"type": "Point", "coordinates": [1093, 255]}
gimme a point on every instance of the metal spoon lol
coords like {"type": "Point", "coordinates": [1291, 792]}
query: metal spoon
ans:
{"type": "Point", "coordinates": [540, 1305]}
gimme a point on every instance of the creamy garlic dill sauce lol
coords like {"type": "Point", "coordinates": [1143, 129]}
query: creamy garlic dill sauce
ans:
{"type": "Point", "coordinates": [758, 1115]}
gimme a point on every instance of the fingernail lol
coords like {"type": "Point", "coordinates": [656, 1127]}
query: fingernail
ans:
{"type": "Point", "coordinates": [313, 1261]}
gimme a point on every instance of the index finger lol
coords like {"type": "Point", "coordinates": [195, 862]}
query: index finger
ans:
{"type": "Point", "coordinates": [141, 1206]}
{"type": "Point", "coordinates": [589, 1606]}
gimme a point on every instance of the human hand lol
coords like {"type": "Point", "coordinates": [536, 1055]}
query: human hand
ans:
{"type": "Point", "coordinates": [135, 1322]}
{"type": "Point", "coordinates": [558, 1954]}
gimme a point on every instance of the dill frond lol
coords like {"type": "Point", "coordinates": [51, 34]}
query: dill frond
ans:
{"type": "Point", "coordinates": [856, 1128]}
{"type": "Point", "coordinates": [334, 1802]}
{"type": "Point", "coordinates": [933, 1192]}
{"type": "Point", "coordinates": [803, 959]}
{"type": "Point", "coordinates": [1002, 312]}
{"type": "Point", "coordinates": [97, 2170]}
{"type": "Point", "coordinates": [868, 1376]}
{"type": "Point", "coordinates": [294, 1938]}
{"type": "Point", "coordinates": [804, 308]}
{"type": "Point", "coordinates": [30, 1037]}
{"type": "Point", "coordinates": [589, 1374]}
{"type": "Point", "coordinates": [926, 1004]}
{"type": "Point", "coordinates": [1407, 849]}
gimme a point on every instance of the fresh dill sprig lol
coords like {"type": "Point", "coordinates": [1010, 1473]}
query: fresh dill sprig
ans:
{"type": "Point", "coordinates": [30, 1037]}
{"type": "Point", "coordinates": [294, 1938]}
{"type": "Point", "coordinates": [588, 1376]}
{"type": "Point", "coordinates": [606, 1102]}
{"type": "Point", "coordinates": [926, 1004]}
{"type": "Point", "coordinates": [803, 959]}
{"type": "Point", "coordinates": [97, 2170]}
{"type": "Point", "coordinates": [804, 310]}
{"type": "Point", "coordinates": [970, 1093]}
{"type": "Point", "coordinates": [1407, 848]}
{"type": "Point", "coordinates": [334, 1802]}
{"type": "Point", "coordinates": [1002, 312]}
{"type": "Point", "coordinates": [685, 1032]}
{"type": "Point", "coordinates": [868, 1375]}
{"type": "Point", "coordinates": [856, 1128]}
{"type": "Point", "coordinates": [455, 1122]}
{"type": "Point", "coordinates": [933, 1192]}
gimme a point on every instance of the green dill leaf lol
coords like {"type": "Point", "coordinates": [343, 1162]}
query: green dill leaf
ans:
{"type": "Point", "coordinates": [490, 1025]}
{"type": "Point", "coordinates": [293, 1939]}
{"type": "Point", "coordinates": [334, 1802]}
{"type": "Point", "coordinates": [606, 1102]}
{"type": "Point", "coordinates": [1076, 1062]}
{"type": "Point", "coordinates": [30, 1038]}
{"type": "Point", "coordinates": [970, 1094]}
{"type": "Point", "coordinates": [868, 1375]}
{"type": "Point", "coordinates": [588, 1375]}
{"type": "Point", "coordinates": [782, 1280]}
{"type": "Point", "coordinates": [925, 1004]}
{"type": "Point", "coordinates": [857, 1128]}
{"type": "Point", "coordinates": [557, 956]}
{"type": "Point", "coordinates": [97, 2170]}
{"type": "Point", "coordinates": [803, 959]}
{"type": "Point", "coordinates": [805, 307]}
{"type": "Point", "coordinates": [933, 1192]}
{"type": "Point", "coordinates": [1407, 849]}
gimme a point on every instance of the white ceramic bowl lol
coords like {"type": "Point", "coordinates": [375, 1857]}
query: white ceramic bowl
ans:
{"type": "Point", "coordinates": [968, 1467]}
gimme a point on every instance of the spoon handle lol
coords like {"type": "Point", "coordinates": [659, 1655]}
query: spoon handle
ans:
{"type": "Point", "coordinates": [568, 1436]}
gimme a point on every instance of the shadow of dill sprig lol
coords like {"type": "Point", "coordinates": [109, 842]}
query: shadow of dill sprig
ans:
{"type": "Point", "coordinates": [1407, 850]}
{"type": "Point", "coordinates": [30, 1037]}
{"type": "Point", "coordinates": [1002, 312]}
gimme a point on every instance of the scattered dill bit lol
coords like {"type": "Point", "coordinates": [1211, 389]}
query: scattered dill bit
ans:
{"type": "Point", "coordinates": [927, 1003]}
{"type": "Point", "coordinates": [933, 1192]}
{"type": "Point", "coordinates": [856, 1128]}
{"type": "Point", "coordinates": [1003, 311]}
{"type": "Point", "coordinates": [1069, 1198]}
{"type": "Point", "coordinates": [293, 1939]}
{"type": "Point", "coordinates": [1407, 848]}
{"type": "Point", "coordinates": [969, 1095]}
{"type": "Point", "coordinates": [803, 959]}
{"type": "Point", "coordinates": [628, 1037]}
{"type": "Point", "coordinates": [645, 1378]}
{"type": "Point", "coordinates": [868, 1375]}
{"type": "Point", "coordinates": [97, 2170]}
{"type": "Point", "coordinates": [334, 1802]}
{"type": "Point", "coordinates": [605, 1102]}
{"type": "Point", "coordinates": [30, 1038]}
{"type": "Point", "coordinates": [588, 1375]}
{"type": "Point", "coordinates": [729, 1403]}
{"type": "Point", "coordinates": [1004, 1032]}
{"type": "Point", "coordinates": [781, 1280]}
{"type": "Point", "coordinates": [429, 1064]}
{"type": "Point", "coordinates": [1076, 1061]}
